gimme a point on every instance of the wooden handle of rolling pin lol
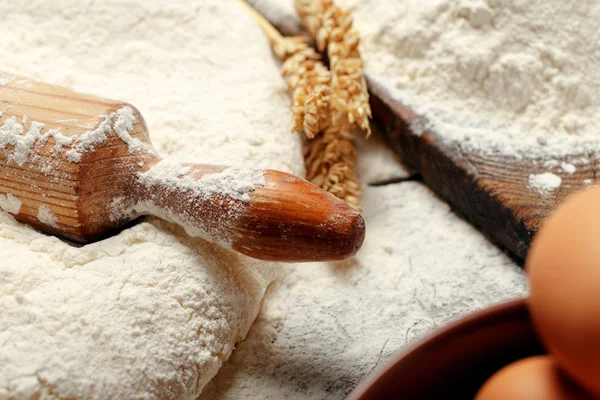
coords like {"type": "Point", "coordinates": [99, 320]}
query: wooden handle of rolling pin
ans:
{"type": "Point", "coordinates": [269, 215]}
{"type": "Point", "coordinates": [81, 166]}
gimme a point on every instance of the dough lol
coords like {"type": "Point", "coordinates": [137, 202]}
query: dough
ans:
{"type": "Point", "coordinates": [151, 312]}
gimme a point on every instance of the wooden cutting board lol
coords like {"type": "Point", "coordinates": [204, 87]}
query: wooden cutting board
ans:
{"type": "Point", "coordinates": [489, 191]}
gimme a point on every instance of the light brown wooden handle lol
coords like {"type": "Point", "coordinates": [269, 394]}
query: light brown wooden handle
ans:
{"type": "Point", "coordinates": [290, 219]}
{"type": "Point", "coordinates": [268, 215]}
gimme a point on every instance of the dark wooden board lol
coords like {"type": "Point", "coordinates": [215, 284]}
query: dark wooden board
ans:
{"type": "Point", "coordinates": [489, 191]}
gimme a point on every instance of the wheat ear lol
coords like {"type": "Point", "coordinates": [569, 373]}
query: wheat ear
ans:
{"type": "Point", "coordinates": [309, 80]}
{"type": "Point", "coordinates": [329, 152]}
{"type": "Point", "coordinates": [332, 29]}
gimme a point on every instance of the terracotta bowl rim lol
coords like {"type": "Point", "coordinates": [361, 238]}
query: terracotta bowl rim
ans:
{"type": "Point", "coordinates": [468, 321]}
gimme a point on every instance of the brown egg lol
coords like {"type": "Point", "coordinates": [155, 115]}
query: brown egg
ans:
{"type": "Point", "coordinates": [564, 273]}
{"type": "Point", "coordinates": [534, 378]}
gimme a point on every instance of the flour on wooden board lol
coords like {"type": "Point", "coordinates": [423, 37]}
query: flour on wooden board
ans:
{"type": "Point", "coordinates": [501, 77]}
{"type": "Point", "coordinates": [568, 168]}
{"type": "Point", "coordinates": [494, 76]}
{"type": "Point", "coordinates": [10, 203]}
{"type": "Point", "coordinates": [464, 64]}
{"type": "Point", "coordinates": [151, 313]}
{"type": "Point", "coordinates": [544, 183]}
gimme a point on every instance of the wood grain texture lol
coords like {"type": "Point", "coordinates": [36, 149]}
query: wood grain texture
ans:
{"type": "Point", "coordinates": [284, 219]}
{"type": "Point", "coordinates": [490, 191]}
{"type": "Point", "coordinates": [318, 223]}
{"type": "Point", "coordinates": [75, 193]}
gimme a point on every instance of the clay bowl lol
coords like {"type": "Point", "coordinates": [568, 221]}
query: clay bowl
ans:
{"type": "Point", "coordinates": [455, 361]}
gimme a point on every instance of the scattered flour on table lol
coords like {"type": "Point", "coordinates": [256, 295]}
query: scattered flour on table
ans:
{"type": "Point", "coordinates": [544, 183]}
{"type": "Point", "coordinates": [46, 216]}
{"type": "Point", "coordinates": [150, 313]}
{"type": "Point", "coordinates": [377, 163]}
{"type": "Point", "coordinates": [324, 327]}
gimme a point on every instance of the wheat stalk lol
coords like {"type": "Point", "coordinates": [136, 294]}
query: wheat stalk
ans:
{"type": "Point", "coordinates": [309, 82]}
{"type": "Point", "coordinates": [324, 108]}
{"type": "Point", "coordinates": [331, 163]}
{"type": "Point", "coordinates": [329, 154]}
{"type": "Point", "coordinates": [332, 29]}
{"type": "Point", "coordinates": [332, 160]}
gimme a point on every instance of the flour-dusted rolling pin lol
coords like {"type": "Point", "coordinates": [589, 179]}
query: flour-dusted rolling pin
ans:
{"type": "Point", "coordinates": [81, 166]}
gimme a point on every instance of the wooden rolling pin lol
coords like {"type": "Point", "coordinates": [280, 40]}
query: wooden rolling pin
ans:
{"type": "Point", "coordinates": [80, 167]}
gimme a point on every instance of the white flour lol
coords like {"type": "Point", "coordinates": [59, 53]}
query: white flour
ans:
{"type": "Point", "coordinates": [168, 179]}
{"type": "Point", "coordinates": [45, 215]}
{"type": "Point", "coordinates": [324, 327]}
{"type": "Point", "coordinates": [12, 134]}
{"type": "Point", "coordinates": [376, 162]}
{"type": "Point", "coordinates": [507, 76]}
{"type": "Point", "coordinates": [122, 120]}
{"type": "Point", "coordinates": [234, 182]}
{"type": "Point", "coordinates": [544, 183]}
{"type": "Point", "coordinates": [568, 168]}
{"type": "Point", "coordinates": [150, 313]}
{"type": "Point", "coordinates": [19, 144]}
{"type": "Point", "coordinates": [10, 203]}
{"type": "Point", "coordinates": [5, 80]}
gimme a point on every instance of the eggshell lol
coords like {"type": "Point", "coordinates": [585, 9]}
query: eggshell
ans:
{"type": "Point", "coordinates": [564, 273]}
{"type": "Point", "coordinates": [534, 378]}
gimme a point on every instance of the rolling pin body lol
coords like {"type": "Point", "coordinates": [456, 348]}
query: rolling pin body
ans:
{"type": "Point", "coordinates": [80, 167]}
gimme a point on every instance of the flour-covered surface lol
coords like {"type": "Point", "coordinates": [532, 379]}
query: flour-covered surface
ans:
{"type": "Point", "coordinates": [170, 61]}
{"type": "Point", "coordinates": [378, 164]}
{"type": "Point", "coordinates": [150, 313]}
{"type": "Point", "coordinates": [494, 77]}
{"type": "Point", "coordinates": [497, 76]}
{"type": "Point", "coordinates": [325, 327]}
{"type": "Point", "coordinates": [153, 313]}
